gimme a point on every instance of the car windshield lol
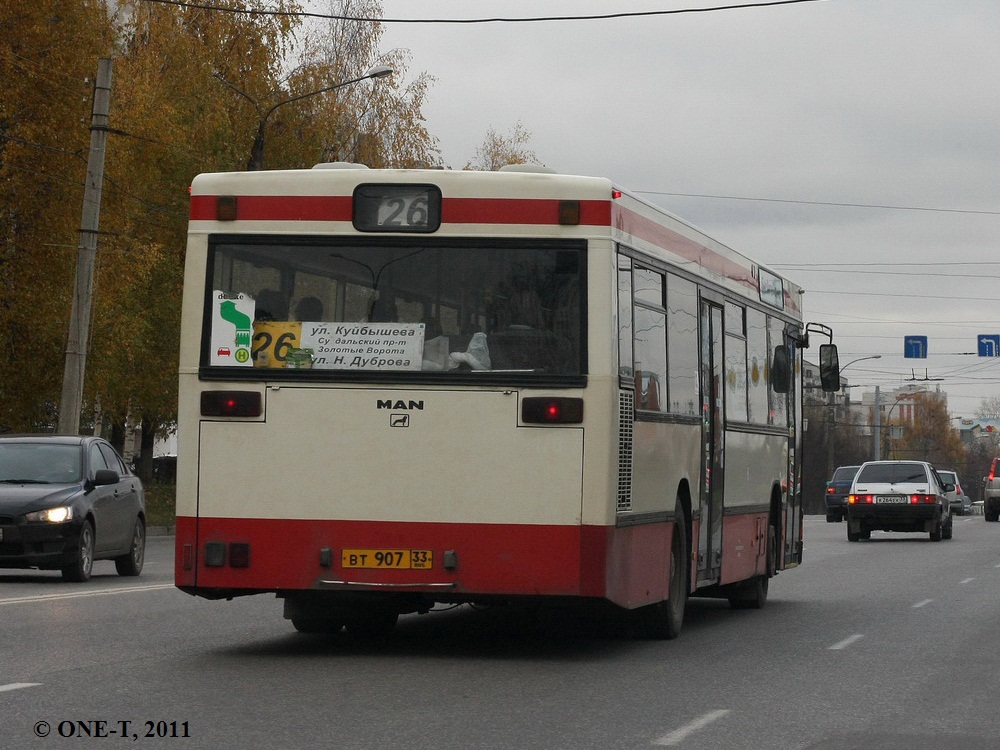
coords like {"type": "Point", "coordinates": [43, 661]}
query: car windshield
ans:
{"type": "Point", "coordinates": [948, 477]}
{"type": "Point", "coordinates": [40, 463]}
{"type": "Point", "coordinates": [845, 473]}
{"type": "Point", "coordinates": [895, 473]}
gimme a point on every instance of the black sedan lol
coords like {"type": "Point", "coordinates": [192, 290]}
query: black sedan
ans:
{"type": "Point", "coordinates": [837, 490]}
{"type": "Point", "coordinates": [66, 501]}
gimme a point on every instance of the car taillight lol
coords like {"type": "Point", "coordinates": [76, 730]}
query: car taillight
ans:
{"type": "Point", "coordinates": [860, 499]}
{"type": "Point", "coordinates": [830, 490]}
{"type": "Point", "coordinates": [917, 499]}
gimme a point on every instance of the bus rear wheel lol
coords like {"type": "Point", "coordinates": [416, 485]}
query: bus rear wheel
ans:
{"type": "Point", "coordinates": [664, 619]}
{"type": "Point", "coordinates": [372, 625]}
{"type": "Point", "coordinates": [752, 594]}
{"type": "Point", "coordinates": [322, 625]}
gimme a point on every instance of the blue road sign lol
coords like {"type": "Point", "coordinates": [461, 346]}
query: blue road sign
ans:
{"type": "Point", "coordinates": [989, 344]}
{"type": "Point", "coordinates": [915, 347]}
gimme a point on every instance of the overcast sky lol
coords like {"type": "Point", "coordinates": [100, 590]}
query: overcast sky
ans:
{"type": "Point", "coordinates": [892, 106]}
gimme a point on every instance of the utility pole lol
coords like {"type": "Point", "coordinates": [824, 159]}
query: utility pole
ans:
{"type": "Point", "coordinates": [877, 428]}
{"type": "Point", "coordinates": [79, 322]}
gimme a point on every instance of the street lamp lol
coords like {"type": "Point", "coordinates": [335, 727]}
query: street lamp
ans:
{"type": "Point", "coordinates": [256, 161]}
{"type": "Point", "coordinates": [860, 359]}
{"type": "Point", "coordinates": [877, 429]}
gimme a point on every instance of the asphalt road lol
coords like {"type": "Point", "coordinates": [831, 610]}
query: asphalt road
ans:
{"type": "Point", "coordinates": [885, 644]}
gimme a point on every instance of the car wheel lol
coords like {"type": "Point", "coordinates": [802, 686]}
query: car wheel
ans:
{"type": "Point", "coordinates": [131, 564]}
{"type": "Point", "coordinates": [833, 518]}
{"type": "Point", "coordinates": [853, 536]}
{"type": "Point", "coordinates": [938, 532]}
{"type": "Point", "coordinates": [947, 529]}
{"type": "Point", "coordinates": [991, 516]}
{"type": "Point", "coordinates": [79, 570]}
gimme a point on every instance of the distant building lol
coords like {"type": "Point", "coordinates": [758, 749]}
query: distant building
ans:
{"type": "Point", "coordinates": [973, 430]}
{"type": "Point", "coordinates": [898, 406]}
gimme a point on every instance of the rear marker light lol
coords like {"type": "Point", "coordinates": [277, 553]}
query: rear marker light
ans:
{"type": "Point", "coordinates": [239, 555]}
{"type": "Point", "coordinates": [225, 208]}
{"type": "Point", "coordinates": [569, 213]}
{"type": "Point", "coordinates": [231, 404]}
{"type": "Point", "coordinates": [215, 554]}
{"type": "Point", "coordinates": [555, 410]}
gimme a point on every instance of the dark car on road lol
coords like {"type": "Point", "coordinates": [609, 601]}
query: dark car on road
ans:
{"type": "Point", "coordinates": [899, 496]}
{"type": "Point", "coordinates": [66, 501]}
{"type": "Point", "coordinates": [837, 490]}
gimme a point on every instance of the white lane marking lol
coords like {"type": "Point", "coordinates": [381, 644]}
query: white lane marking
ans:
{"type": "Point", "coordinates": [924, 603]}
{"type": "Point", "coordinates": [18, 686]}
{"type": "Point", "coordinates": [845, 643]}
{"type": "Point", "coordinates": [679, 735]}
{"type": "Point", "coordinates": [966, 580]}
{"type": "Point", "coordinates": [82, 594]}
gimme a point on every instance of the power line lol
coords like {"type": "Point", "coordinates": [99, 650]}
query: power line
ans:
{"type": "Point", "coordinates": [536, 19]}
{"type": "Point", "coordinates": [888, 207]}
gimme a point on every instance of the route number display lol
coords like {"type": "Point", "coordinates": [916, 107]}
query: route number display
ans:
{"type": "Point", "coordinates": [397, 208]}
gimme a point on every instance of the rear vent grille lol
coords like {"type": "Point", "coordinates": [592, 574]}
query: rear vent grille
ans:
{"type": "Point", "coordinates": [626, 412]}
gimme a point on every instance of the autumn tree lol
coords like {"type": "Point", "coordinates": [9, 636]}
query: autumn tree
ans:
{"type": "Point", "coordinates": [930, 437]}
{"type": "Point", "coordinates": [499, 150]}
{"type": "Point", "coordinates": [48, 60]}
{"type": "Point", "coordinates": [175, 112]}
{"type": "Point", "coordinates": [989, 408]}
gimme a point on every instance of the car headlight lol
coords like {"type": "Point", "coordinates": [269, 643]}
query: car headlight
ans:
{"type": "Point", "coordinates": [51, 515]}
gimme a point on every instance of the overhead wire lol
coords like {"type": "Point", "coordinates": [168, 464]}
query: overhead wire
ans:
{"type": "Point", "coordinates": [469, 21]}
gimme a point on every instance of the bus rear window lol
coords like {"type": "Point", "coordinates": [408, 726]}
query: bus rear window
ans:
{"type": "Point", "coordinates": [382, 306]}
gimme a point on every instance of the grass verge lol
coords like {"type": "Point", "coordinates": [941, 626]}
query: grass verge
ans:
{"type": "Point", "coordinates": [160, 500]}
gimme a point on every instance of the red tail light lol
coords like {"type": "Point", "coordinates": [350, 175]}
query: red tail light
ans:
{"type": "Point", "coordinates": [860, 499]}
{"type": "Point", "coordinates": [231, 404]}
{"type": "Point", "coordinates": [917, 499]}
{"type": "Point", "coordinates": [552, 410]}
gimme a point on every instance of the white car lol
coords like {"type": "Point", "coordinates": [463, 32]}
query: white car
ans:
{"type": "Point", "coordinates": [961, 504]}
{"type": "Point", "coordinates": [899, 496]}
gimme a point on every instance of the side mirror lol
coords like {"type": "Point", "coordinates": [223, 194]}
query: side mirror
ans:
{"type": "Point", "coordinates": [781, 371]}
{"type": "Point", "coordinates": [105, 476]}
{"type": "Point", "coordinates": [829, 367]}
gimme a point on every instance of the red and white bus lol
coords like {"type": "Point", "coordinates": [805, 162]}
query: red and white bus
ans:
{"type": "Point", "coordinates": [400, 388]}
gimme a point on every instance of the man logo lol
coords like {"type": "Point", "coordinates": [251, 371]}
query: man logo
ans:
{"type": "Point", "coordinates": [385, 403]}
{"type": "Point", "coordinates": [399, 420]}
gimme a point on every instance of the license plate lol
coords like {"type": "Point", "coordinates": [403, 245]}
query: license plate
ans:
{"type": "Point", "coordinates": [389, 559]}
{"type": "Point", "coordinates": [892, 499]}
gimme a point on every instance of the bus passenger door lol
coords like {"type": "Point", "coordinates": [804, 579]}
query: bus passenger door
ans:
{"type": "Point", "coordinates": [712, 411]}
